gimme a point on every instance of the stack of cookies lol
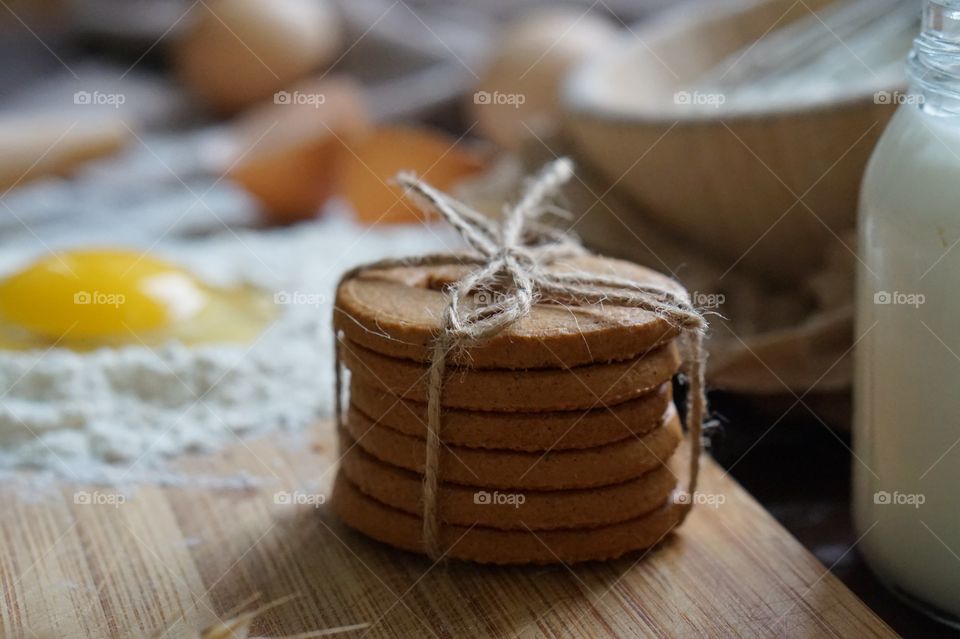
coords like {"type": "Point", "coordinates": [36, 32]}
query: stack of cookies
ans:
{"type": "Point", "coordinates": [558, 435]}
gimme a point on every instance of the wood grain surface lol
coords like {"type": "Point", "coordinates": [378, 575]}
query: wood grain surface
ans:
{"type": "Point", "coordinates": [168, 561]}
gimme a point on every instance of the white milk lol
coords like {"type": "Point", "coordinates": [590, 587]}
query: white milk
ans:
{"type": "Point", "coordinates": [907, 396]}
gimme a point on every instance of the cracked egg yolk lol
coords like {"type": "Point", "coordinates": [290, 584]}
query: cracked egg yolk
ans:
{"type": "Point", "coordinates": [90, 298]}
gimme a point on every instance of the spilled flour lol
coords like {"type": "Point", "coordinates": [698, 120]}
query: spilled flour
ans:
{"type": "Point", "coordinates": [120, 415]}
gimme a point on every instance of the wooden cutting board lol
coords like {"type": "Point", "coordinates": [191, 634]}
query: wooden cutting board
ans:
{"type": "Point", "coordinates": [90, 563]}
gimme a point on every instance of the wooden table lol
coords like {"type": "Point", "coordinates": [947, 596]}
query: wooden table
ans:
{"type": "Point", "coordinates": [175, 559]}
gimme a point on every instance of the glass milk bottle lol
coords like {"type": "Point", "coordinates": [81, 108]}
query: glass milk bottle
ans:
{"type": "Point", "coordinates": [907, 387]}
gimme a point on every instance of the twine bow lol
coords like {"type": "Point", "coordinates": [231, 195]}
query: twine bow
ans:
{"type": "Point", "coordinates": [510, 260]}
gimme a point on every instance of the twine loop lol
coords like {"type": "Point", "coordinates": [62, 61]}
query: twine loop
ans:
{"type": "Point", "coordinates": [509, 276]}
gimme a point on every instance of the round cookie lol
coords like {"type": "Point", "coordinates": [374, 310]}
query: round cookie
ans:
{"type": "Point", "coordinates": [507, 390]}
{"type": "Point", "coordinates": [487, 545]}
{"type": "Point", "coordinates": [533, 509]}
{"type": "Point", "coordinates": [396, 312]}
{"type": "Point", "coordinates": [556, 430]}
{"type": "Point", "coordinates": [553, 470]}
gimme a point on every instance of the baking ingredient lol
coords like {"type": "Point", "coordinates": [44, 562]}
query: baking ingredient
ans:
{"type": "Point", "coordinates": [367, 171]}
{"type": "Point", "coordinates": [237, 52]}
{"type": "Point", "coordinates": [121, 414]}
{"type": "Point", "coordinates": [87, 298]}
{"type": "Point", "coordinates": [285, 153]}
{"type": "Point", "coordinates": [36, 146]}
{"type": "Point", "coordinates": [907, 408]}
{"type": "Point", "coordinates": [907, 405]}
{"type": "Point", "coordinates": [518, 95]}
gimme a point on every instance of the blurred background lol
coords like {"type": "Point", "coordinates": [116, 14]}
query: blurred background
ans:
{"type": "Point", "coordinates": [719, 141]}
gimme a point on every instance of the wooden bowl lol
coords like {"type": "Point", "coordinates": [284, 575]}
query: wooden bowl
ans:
{"type": "Point", "coordinates": [763, 188]}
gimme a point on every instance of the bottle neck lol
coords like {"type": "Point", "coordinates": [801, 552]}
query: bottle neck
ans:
{"type": "Point", "coordinates": [934, 62]}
